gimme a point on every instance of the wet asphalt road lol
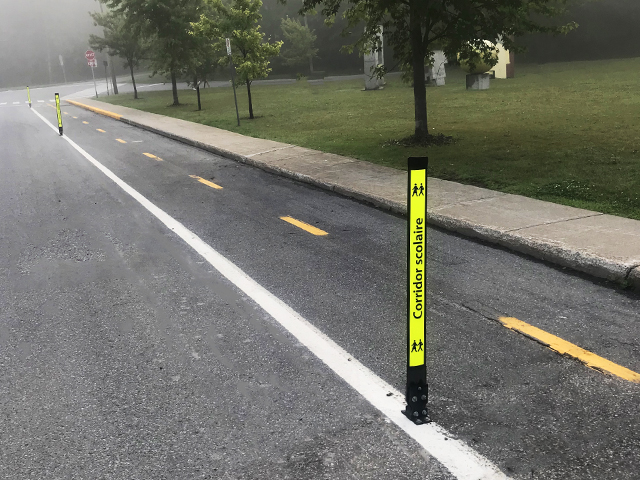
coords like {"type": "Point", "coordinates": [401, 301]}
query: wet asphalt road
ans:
{"type": "Point", "coordinates": [123, 355]}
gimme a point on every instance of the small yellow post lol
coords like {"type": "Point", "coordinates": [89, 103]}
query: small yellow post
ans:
{"type": "Point", "coordinates": [59, 113]}
{"type": "Point", "coordinates": [29, 96]}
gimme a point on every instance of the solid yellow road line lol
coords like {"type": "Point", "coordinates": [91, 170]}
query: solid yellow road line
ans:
{"type": "Point", "coordinates": [206, 182]}
{"type": "Point", "coordinates": [563, 347]}
{"type": "Point", "coordinates": [96, 110]}
{"type": "Point", "coordinates": [100, 130]}
{"type": "Point", "coordinates": [120, 140]}
{"type": "Point", "coordinates": [151, 155]}
{"type": "Point", "coordinates": [86, 123]}
{"type": "Point", "coordinates": [304, 226]}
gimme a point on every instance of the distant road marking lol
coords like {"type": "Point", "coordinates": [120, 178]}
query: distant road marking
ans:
{"type": "Point", "coordinates": [120, 140]}
{"type": "Point", "coordinates": [52, 100]}
{"type": "Point", "coordinates": [86, 123]}
{"type": "Point", "coordinates": [16, 103]}
{"type": "Point", "coordinates": [206, 182]}
{"type": "Point", "coordinates": [304, 226]}
{"type": "Point", "coordinates": [462, 461]}
{"type": "Point", "coordinates": [151, 155]}
{"type": "Point", "coordinates": [75, 118]}
{"type": "Point", "coordinates": [100, 130]}
{"type": "Point", "coordinates": [3, 103]}
{"type": "Point", "coordinates": [40, 101]}
{"type": "Point", "coordinates": [66, 113]}
{"type": "Point", "coordinates": [563, 347]}
{"type": "Point", "coordinates": [49, 105]}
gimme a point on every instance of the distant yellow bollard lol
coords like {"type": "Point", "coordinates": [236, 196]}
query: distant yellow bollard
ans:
{"type": "Point", "coordinates": [29, 96]}
{"type": "Point", "coordinates": [59, 113]}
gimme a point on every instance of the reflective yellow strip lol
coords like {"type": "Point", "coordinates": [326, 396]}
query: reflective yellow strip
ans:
{"type": "Point", "coordinates": [151, 155]}
{"type": "Point", "coordinates": [29, 94]}
{"type": "Point", "coordinates": [206, 182]}
{"type": "Point", "coordinates": [120, 140]}
{"type": "Point", "coordinates": [417, 267]}
{"type": "Point", "coordinates": [304, 226]}
{"type": "Point", "coordinates": [106, 113]}
{"type": "Point", "coordinates": [563, 347]}
{"type": "Point", "coordinates": [58, 111]}
{"type": "Point", "coordinates": [100, 130]}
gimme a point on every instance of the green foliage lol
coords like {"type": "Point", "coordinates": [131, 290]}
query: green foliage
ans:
{"type": "Point", "coordinates": [167, 23]}
{"type": "Point", "coordinates": [238, 22]}
{"type": "Point", "coordinates": [120, 39]}
{"type": "Point", "coordinates": [299, 45]}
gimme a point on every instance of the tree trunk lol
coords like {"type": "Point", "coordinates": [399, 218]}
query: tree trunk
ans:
{"type": "Point", "coordinates": [195, 82]}
{"type": "Point", "coordinates": [133, 80]}
{"type": "Point", "coordinates": [250, 103]}
{"type": "Point", "coordinates": [419, 83]}
{"type": "Point", "coordinates": [306, 24]}
{"type": "Point", "coordinates": [114, 80]}
{"type": "Point", "coordinates": [174, 87]}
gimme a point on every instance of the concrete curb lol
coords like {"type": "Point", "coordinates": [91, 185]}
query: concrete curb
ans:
{"type": "Point", "coordinates": [594, 265]}
{"type": "Point", "coordinates": [580, 261]}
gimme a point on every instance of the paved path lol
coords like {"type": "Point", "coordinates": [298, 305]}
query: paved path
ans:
{"type": "Point", "coordinates": [605, 246]}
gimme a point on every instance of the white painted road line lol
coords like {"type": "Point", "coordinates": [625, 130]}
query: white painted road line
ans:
{"type": "Point", "coordinates": [3, 103]}
{"type": "Point", "coordinates": [460, 459]}
{"type": "Point", "coordinates": [40, 101]}
{"type": "Point", "coordinates": [16, 103]}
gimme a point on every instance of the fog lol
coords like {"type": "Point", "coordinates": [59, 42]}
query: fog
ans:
{"type": "Point", "coordinates": [33, 33]}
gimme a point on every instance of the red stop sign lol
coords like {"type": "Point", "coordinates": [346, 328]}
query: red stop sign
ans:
{"type": "Point", "coordinates": [90, 55]}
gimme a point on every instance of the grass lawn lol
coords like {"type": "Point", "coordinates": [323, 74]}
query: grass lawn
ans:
{"type": "Point", "coordinates": [565, 132]}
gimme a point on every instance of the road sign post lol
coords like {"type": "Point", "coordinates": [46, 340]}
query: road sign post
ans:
{"type": "Point", "coordinates": [59, 113]}
{"type": "Point", "coordinates": [233, 79]}
{"type": "Point", "coordinates": [91, 60]}
{"type": "Point", "coordinates": [417, 388]}
{"type": "Point", "coordinates": [29, 96]}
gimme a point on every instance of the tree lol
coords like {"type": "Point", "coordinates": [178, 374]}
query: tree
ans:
{"type": "Point", "coordinates": [412, 27]}
{"type": "Point", "coordinates": [168, 23]}
{"type": "Point", "coordinates": [120, 39]}
{"type": "Point", "coordinates": [298, 48]}
{"type": "Point", "coordinates": [239, 22]}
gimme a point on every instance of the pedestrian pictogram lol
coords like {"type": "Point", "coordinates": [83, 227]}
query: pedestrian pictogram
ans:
{"type": "Point", "coordinates": [416, 392]}
{"type": "Point", "coordinates": [417, 191]}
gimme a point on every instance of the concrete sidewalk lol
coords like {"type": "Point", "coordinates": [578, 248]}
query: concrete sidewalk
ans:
{"type": "Point", "coordinates": [604, 246]}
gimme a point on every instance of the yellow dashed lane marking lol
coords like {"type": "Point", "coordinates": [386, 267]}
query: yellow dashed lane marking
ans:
{"type": "Point", "coordinates": [151, 155]}
{"type": "Point", "coordinates": [563, 347]}
{"type": "Point", "coordinates": [75, 118]}
{"type": "Point", "coordinates": [206, 182]}
{"type": "Point", "coordinates": [304, 226]}
{"type": "Point", "coordinates": [66, 113]}
{"type": "Point", "coordinates": [86, 123]}
{"type": "Point", "coordinates": [120, 140]}
{"type": "Point", "coordinates": [100, 130]}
